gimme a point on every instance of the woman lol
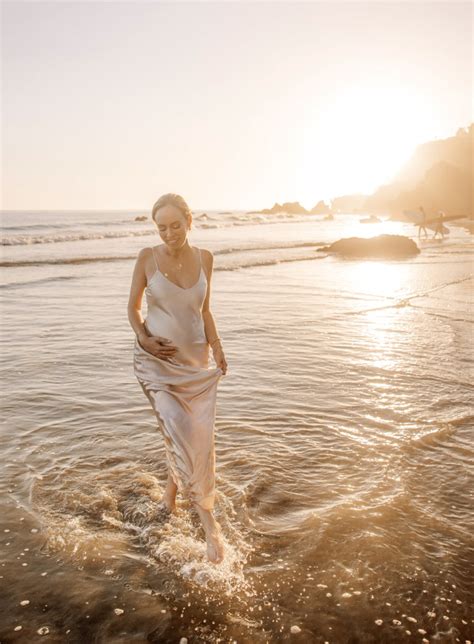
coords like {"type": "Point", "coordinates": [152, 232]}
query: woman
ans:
{"type": "Point", "coordinates": [439, 225]}
{"type": "Point", "coordinates": [171, 358]}
{"type": "Point", "coordinates": [422, 224]}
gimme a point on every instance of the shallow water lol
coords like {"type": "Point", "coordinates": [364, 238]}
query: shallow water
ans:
{"type": "Point", "coordinates": [343, 441]}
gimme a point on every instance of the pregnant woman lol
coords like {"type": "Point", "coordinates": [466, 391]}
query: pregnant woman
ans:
{"type": "Point", "coordinates": [171, 358]}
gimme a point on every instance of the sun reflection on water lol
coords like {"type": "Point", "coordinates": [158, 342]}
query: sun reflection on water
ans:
{"type": "Point", "coordinates": [377, 278]}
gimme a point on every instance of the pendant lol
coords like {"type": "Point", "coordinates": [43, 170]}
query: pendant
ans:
{"type": "Point", "coordinates": [179, 266]}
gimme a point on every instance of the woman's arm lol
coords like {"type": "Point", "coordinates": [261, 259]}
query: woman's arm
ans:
{"type": "Point", "coordinates": [210, 328]}
{"type": "Point", "coordinates": [136, 296]}
{"type": "Point", "coordinates": [156, 345]}
{"type": "Point", "coordinates": [209, 322]}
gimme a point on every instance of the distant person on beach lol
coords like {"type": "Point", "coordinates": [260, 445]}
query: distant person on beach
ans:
{"type": "Point", "coordinates": [422, 224]}
{"type": "Point", "coordinates": [439, 225]}
{"type": "Point", "coordinates": [171, 359]}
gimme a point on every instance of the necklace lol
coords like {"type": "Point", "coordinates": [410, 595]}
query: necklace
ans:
{"type": "Point", "coordinates": [178, 267]}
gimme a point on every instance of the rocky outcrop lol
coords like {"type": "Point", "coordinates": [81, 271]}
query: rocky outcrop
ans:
{"type": "Point", "coordinates": [382, 246]}
{"type": "Point", "coordinates": [439, 176]}
{"type": "Point", "coordinates": [289, 207]}
{"type": "Point", "coordinates": [444, 187]}
{"type": "Point", "coordinates": [455, 150]}
{"type": "Point", "coordinates": [320, 208]}
{"type": "Point", "coordinates": [349, 203]}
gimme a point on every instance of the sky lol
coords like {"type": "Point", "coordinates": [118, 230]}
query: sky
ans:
{"type": "Point", "coordinates": [108, 105]}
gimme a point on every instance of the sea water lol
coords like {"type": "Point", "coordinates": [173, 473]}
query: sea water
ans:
{"type": "Point", "coordinates": [343, 439]}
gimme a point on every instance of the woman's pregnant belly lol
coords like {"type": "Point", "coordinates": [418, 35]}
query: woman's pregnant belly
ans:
{"type": "Point", "coordinates": [189, 338]}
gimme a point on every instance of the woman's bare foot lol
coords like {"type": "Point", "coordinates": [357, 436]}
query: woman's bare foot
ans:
{"type": "Point", "coordinates": [212, 530]}
{"type": "Point", "coordinates": [215, 545]}
{"type": "Point", "coordinates": [168, 504]}
{"type": "Point", "coordinates": [168, 500]}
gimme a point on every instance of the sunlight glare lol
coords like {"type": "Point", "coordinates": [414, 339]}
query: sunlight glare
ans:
{"type": "Point", "coordinates": [368, 133]}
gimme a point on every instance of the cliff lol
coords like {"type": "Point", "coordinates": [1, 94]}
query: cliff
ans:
{"type": "Point", "coordinates": [439, 176]}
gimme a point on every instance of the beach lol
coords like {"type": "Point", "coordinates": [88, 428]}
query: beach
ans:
{"type": "Point", "coordinates": [343, 439]}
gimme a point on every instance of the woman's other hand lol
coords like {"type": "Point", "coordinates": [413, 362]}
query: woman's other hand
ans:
{"type": "Point", "coordinates": [158, 346]}
{"type": "Point", "coordinates": [219, 357]}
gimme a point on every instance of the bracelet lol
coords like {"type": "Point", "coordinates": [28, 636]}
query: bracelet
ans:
{"type": "Point", "coordinates": [218, 339]}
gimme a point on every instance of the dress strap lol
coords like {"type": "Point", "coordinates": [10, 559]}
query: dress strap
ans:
{"type": "Point", "coordinates": [203, 270]}
{"type": "Point", "coordinates": [154, 257]}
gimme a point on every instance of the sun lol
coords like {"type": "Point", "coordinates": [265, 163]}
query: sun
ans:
{"type": "Point", "coordinates": [361, 138]}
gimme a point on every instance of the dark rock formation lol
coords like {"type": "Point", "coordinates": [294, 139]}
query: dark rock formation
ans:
{"type": "Point", "coordinates": [294, 208]}
{"type": "Point", "coordinates": [141, 218]}
{"type": "Point", "coordinates": [349, 203]}
{"type": "Point", "coordinates": [290, 207]}
{"type": "Point", "coordinates": [383, 246]}
{"type": "Point", "coordinates": [445, 187]}
{"type": "Point", "coordinates": [439, 176]}
{"type": "Point", "coordinates": [370, 220]}
{"type": "Point", "coordinates": [455, 150]}
{"type": "Point", "coordinates": [320, 209]}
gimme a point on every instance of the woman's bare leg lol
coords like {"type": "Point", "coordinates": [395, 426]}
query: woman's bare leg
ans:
{"type": "Point", "coordinates": [215, 545]}
{"type": "Point", "coordinates": [169, 495]}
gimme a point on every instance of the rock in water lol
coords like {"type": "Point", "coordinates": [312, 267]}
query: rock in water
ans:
{"type": "Point", "coordinates": [382, 246]}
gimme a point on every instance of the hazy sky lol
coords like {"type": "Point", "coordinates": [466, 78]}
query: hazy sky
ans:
{"type": "Point", "coordinates": [231, 104]}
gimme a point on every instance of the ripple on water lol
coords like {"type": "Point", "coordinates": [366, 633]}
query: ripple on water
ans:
{"type": "Point", "coordinates": [101, 519]}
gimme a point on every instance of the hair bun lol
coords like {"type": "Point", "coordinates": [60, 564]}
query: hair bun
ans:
{"type": "Point", "coordinates": [172, 199]}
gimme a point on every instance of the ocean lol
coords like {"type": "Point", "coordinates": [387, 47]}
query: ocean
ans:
{"type": "Point", "coordinates": [343, 439]}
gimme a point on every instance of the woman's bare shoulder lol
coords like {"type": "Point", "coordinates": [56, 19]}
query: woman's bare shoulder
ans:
{"type": "Point", "coordinates": [207, 257]}
{"type": "Point", "coordinates": [145, 253]}
{"type": "Point", "coordinates": [206, 253]}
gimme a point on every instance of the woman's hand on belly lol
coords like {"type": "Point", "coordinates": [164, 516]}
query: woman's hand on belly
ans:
{"type": "Point", "coordinates": [159, 347]}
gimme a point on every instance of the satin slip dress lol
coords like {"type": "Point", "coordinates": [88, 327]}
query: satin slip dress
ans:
{"type": "Point", "coordinates": [182, 390]}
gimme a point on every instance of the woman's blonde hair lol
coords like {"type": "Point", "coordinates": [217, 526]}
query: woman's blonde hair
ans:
{"type": "Point", "coordinates": [171, 199]}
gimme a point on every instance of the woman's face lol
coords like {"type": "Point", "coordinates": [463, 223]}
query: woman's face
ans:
{"type": "Point", "coordinates": [172, 226]}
